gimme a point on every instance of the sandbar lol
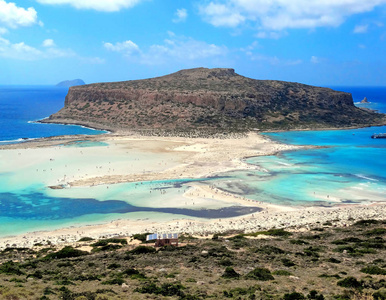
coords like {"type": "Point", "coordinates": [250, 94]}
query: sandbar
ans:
{"type": "Point", "coordinates": [76, 165]}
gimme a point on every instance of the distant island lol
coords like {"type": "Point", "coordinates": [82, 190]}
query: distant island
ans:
{"type": "Point", "coordinates": [70, 83]}
{"type": "Point", "coordinates": [210, 100]}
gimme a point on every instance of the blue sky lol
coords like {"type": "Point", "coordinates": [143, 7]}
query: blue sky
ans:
{"type": "Point", "coordinates": [319, 42]}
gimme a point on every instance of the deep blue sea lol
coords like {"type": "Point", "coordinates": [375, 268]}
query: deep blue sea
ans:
{"type": "Point", "coordinates": [352, 168]}
{"type": "Point", "coordinates": [21, 105]}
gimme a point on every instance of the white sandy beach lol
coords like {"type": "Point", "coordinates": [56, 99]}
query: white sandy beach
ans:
{"type": "Point", "coordinates": [59, 169]}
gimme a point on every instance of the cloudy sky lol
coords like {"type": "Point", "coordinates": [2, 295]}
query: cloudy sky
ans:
{"type": "Point", "coordinates": [319, 42]}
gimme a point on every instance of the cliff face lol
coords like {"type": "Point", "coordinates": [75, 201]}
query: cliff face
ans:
{"type": "Point", "coordinates": [217, 99]}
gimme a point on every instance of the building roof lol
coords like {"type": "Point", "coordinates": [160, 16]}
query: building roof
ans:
{"type": "Point", "coordinates": [162, 236]}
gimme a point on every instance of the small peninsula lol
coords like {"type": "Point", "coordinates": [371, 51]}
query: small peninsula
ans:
{"type": "Point", "coordinates": [70, 83]}
{"type": "Point", "coordinates": [211, 99]}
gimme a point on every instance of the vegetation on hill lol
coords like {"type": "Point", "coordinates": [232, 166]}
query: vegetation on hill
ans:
{"type": "Point", "coordinates": [325, 262]}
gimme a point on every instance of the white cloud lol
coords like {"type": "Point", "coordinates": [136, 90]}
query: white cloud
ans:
{"type": "Point", "coordinates": [18, 51]}
{"type": "Point", "coordinates": [48, 43]}
{"type": "Point", "coordinates": [222, 15]}
{"type": "Point", "coordinates": [173, 49]}
{"type": "Point", "coordinates": [13, 16]}
{"type": "Point", "coordinates": [361, 28]}
{"type": "Point", "coordinates": [278, 15]}
{"type": "Point", "coordinates": [182, 49]}
{"type": "Point", "coordinates": [180, 15]}
{"type": "Point", "coordinates": [22, 51]}
{"type": "Point", "coordinates": [270, 34]}
{"type": "Point", "coordinates": [3, 30]}
{"type": "Point", "coordinates": [127, 47]}
{"type": "Point", "coordinates": [315, 59]}
{"type": "Point", "coordinates": [99, 5]}
{"type": "Point", "coordinates": [273, 60]}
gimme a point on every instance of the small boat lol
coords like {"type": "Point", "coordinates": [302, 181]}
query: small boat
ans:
{"type": "Point", "coordinates": [379, 136]}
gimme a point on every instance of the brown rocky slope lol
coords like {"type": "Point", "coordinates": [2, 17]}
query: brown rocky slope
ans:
{"type": "Point", "coordinates": [210, 99]}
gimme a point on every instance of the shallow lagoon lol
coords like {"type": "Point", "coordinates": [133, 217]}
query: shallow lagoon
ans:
{"type": "Point", "coordinates": [350, 169]}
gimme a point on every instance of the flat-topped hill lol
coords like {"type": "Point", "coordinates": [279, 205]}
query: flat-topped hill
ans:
{"type": "Point", "coordinates": [210, 99]}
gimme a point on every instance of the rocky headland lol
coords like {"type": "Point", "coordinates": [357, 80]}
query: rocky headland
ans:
{"type": "Point", "coordinates": [210, 100]}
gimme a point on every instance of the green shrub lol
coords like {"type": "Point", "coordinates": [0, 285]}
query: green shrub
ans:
{"type": "Point", "coordinates": [113, 266]}
{"type": "Point", "coordinates": [114, 281]}
{"type": "Point", "coordinates": [166, 289]}
{"type": "Point", "coordinates": [86, 278]}
{"type": "Point", "coordinates": [287, 262]}
{"type": "Point", "coordinates": [230, 273]}
{"type": "Point", "coordinates": [312, 251]}
{"type": "Point", "coordinates": [373, 270]}
{"type": "Point", "coordinates": [349, 282]}
{"type": "Point", "coordinates": [37, 274]}
{"type": "Point", "coordinates": [346, 241]}
{"type": "Point", "coordinates": [142, 250]}
{"type": "Point", "coordinates": [66, 252]}
{"type": "Point", "coordinates": [169, 248]}
{"type": "Point", "coordinates": [133, 274]}
{"type": "Point", "coordinates": [239, 241]}
{"type": "Point", "coordinates": [86, 239]}
{"type": "Point", "coordinates": [260, 274]}
{"type": "Point", "coordinates": [334, 260]}
{"type": "Point", "coordinates": [376, 231]}
{"type": "Point", "coordinates": [11, 268]}
{"type": "Point", "coordinates": [299, 242]}
{"type": "Point", "coordinates": [366, 222]}
{"type": "Point", "coordinates": [64, 264]}
{"type": "Point", "coordinates": [225, 262]}
{"type": "Point", "coordinates": [314, 295]}
{"type": "Point", "coordinates": [221, 251]}
{"type": "Point", "coordinates": [141, 236]}
{"type": "Point", "coordinates": [239, 291]}
{"type": "Point", "coordinates": [330, 276]}
{"type": "Point", "coordinates": [278, 232]}
{"type": "Point", "coordinates": [105, 242]}
{"type": "Point", "coordinates": [380, 294]}
{"type": "Point", "coordinates": [294, 296]}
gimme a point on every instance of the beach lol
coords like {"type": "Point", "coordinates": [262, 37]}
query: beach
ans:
{"type": "Point", "coordinates": [92, 166]}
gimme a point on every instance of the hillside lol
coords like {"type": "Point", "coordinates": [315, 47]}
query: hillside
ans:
{"type": "Point", "coordinates": [326, 262]}
{"type": "Point", "coordinates": [210, 99]}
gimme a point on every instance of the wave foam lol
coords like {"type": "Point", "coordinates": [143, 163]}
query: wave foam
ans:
{"type": "Point", "coordinates": [365, 177]}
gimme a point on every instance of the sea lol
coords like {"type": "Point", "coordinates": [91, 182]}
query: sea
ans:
{"type": "Point", "coordinates": [22, 106]}
{"type": "Point", "coordinates": [347, 167]}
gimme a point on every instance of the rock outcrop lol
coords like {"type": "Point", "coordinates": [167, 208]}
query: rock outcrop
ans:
{"type": "Point", "coordinates": [365, 100]}
{"type": "Point", "coordinates": [210, 99]}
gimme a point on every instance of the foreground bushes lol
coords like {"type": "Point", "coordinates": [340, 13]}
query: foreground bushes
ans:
{"type": "Point", "coordinates": [66, 252]}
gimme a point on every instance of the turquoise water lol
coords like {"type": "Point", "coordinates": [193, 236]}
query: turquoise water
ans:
{"type": "Point", "coordinates": [85, 144]}
{"type": "Point", "coordinates": [350, 168]}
